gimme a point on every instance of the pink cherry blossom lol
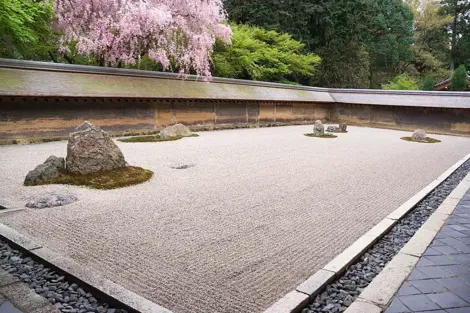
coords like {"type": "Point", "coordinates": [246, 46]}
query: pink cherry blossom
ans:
{"type": "Point", "coordinates": [179, 33]}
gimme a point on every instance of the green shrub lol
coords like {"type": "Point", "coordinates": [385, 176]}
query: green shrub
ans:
{"type": "Point", "coordinates": [459, 79]}
{"type": "Point", "coordinates": [402, 82]}
{"type": "Point", "coordinates": [428, 83]}
{"type": "Point", "coordinates": [258, 54]}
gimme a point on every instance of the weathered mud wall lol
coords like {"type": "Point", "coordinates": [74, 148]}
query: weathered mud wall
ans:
{"type": "Point", "coordinates": [433, 120]}
{"type": "Point", "coordinates": [46, 100]}
{"type": "Point", "coordinates": [39, 117]}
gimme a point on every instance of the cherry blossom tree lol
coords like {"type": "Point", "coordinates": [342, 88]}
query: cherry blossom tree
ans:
{"type": "Point", "coordinates": [175, 33]}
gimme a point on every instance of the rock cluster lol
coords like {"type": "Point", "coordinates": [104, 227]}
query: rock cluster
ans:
{"type": "Point", "coordinates": [419, 135]}
{"type": "Point", "coordinates": [342, 128]}
{"type": "Point", "coordinates": [50, 169]}
{"type": "Point", "coordinates": [318, 129]}
{"type": "Point", "coordinates": [177, 130]}
{"type": "Point", "coordinates": [89, 150]}
{"type": "Point", "coordinates": [342, 292]}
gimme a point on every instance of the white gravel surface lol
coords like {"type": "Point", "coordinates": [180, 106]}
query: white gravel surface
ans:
{"type": "Point", "coordinates": [261, 210]}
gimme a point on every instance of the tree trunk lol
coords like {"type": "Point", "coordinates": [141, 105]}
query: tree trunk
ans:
{"type": "Point", "coordinates": [454, 41]}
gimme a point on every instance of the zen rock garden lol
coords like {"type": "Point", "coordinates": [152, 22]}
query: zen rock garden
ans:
{"type": "Point", "coordinates": [93, 160]}
{"type": "Point", "coordinates": [218, 193]}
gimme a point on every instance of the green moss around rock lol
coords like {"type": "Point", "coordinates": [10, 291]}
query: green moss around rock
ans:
{"type": "Point", "coordinates": [327, 136]}
{"type": "Point", "coordinates": [118, 178]}
{"type": "Point", "coordinates": [428, 140]}
{"type": "Point", "coordinates": [152, 138]}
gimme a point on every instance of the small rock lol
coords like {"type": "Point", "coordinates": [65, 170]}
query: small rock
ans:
{"type": "Point", "coordinates": [177, 130]}
{"type": "Point", "coordinates": [50, 169]}
{"type": "Point", "coordinates": [419, 135]}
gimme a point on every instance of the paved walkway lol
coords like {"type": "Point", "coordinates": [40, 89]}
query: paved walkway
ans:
{"type": "Point", "coordinates": [261, 210]}
{"type": "Point", "coordinates": [440, 283]}
{"type": "Point", "coordinates": [17, 297]}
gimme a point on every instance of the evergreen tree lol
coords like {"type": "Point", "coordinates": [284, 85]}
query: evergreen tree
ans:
{"type": "Point", "coordinates": [459, 79]}
{"type": "Point", "coordinates": [459, 11]}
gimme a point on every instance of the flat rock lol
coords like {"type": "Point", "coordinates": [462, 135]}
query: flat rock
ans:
{"type": "Point", "coordinates": [51, 200]}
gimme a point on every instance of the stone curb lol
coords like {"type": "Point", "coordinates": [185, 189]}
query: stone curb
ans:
{"type": "Point", "coordinates": [383, 288]}
{"type": "Point", "coordinates": [22, 297]}
{"type": "Point", "coordinates": [84, 275]}
{"type": "Point", "coordinates": [7, 207]}
{"type": "Point", "coordinates": [293, 302]}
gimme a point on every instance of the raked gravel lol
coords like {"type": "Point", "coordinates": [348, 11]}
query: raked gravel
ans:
{"type": "Point", "coordinates": [261, 210]}
{"type": "Point", "coordinates": [342, 292]}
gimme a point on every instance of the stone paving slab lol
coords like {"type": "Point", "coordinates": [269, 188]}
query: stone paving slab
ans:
{"type": "Point", "coordinates": [261, 211]}
{"type": "Point", "coordinates": [17, 297]}
{"type": "Point", "coordinates": [440, 282]}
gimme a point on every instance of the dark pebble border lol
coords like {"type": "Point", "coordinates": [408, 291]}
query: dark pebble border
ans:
{"type": "Point", "coordinates": [65, 295]}
{"type": "Point", "coordinates": [341, 293]}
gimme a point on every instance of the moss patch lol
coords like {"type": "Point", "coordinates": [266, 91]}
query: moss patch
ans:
{"type": "Point", "coordinates": [152, 138]}
{"type": "Point", "coordinates": [428, 140]}
{"type": "Point", "coordinates": [118, 178]}
{"type": "Point", "coordinates": [324, 136]}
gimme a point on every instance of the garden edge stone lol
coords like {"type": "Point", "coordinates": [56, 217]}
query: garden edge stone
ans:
{"type": "Point", "coordinates": [380, 291]}
{"type": "Point", "coordinates": [341, 262]}
{"type": "Point", "coordinates": [83, 274]}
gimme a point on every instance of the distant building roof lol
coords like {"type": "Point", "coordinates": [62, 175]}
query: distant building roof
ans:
{"type": "Point", "coordinates": [443, 85]}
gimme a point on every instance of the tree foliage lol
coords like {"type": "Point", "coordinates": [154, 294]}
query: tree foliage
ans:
{"type": "Point", "coordinates": [25, 27]}
{"type": "Point", "coordinates": [258, 54]}
{"type": "Point", "coordinates": [381, 30]}
{"type": "Point", "coordinates": [459, 79]}
{"type": "Point", "coordinates": [344, 65]}
{"type": "Point", "coordinates": [390, 42]}
{"type": "Point", "coordinates": [402, 82]}
{"type": "Point", "coordinates": [459, 11]}
{"type": "Point", "coordinates": [430, 41]}
{"type": "Point", "coordinates": [428, 83]}
{"type": "Point", "coordinates": [172, 32]}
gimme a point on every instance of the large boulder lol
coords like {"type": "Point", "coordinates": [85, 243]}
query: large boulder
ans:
{"type": "Point", "coordinates": [177, 130]}
{"type": "Point", "coordinates": [318, 129]}
{"type": "Point", "coordinates": [50, 169]}
{"type": "Point", "coordinates": [419, 135]}
{"type": "Point", "coordinates": [90, 150]}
